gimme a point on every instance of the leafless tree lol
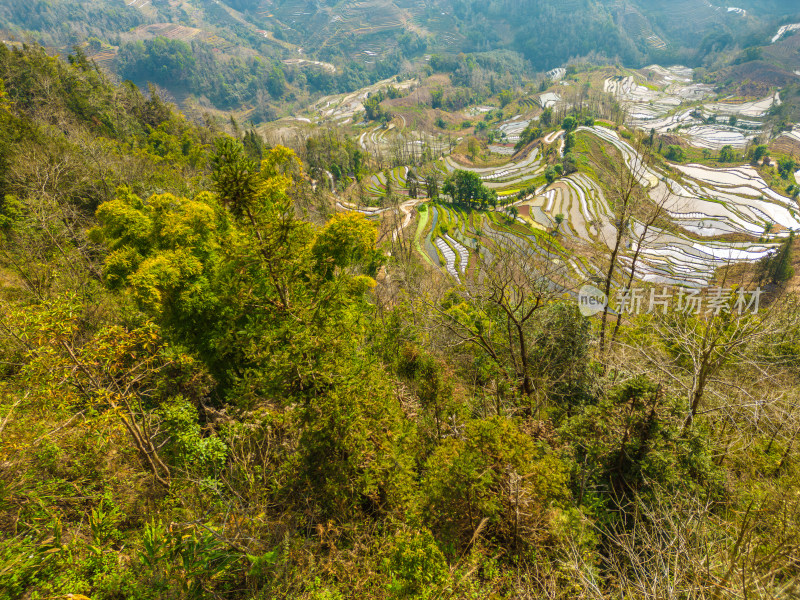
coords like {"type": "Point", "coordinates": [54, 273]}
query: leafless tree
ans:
{"type": "Point", "coordinates": [626, 195]}
{"type": "Point", "coordinates": [643, 233]}
{"type": "Point", "coordinates": [511, 281]}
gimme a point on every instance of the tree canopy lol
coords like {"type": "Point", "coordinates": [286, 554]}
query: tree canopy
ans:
{"type": "Point", "coordinates": [466, 187]}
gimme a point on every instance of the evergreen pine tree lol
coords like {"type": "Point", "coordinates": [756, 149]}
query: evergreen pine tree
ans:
{"type": "Point", "coordinates": [777, 267]}
{"type": "Point", "coordinates": [781, 270]}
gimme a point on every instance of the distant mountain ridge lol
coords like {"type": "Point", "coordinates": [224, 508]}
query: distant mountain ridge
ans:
{"type": "Point", "coordinates": [230, 54]}
{"type": "Point", "coordinates": [546, 32]}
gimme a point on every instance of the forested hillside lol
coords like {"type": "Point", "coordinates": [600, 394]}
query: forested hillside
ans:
{"type": "Point", "coordinates": [263, 60]}
{"type": "Point", "coordinates": [214, 385]}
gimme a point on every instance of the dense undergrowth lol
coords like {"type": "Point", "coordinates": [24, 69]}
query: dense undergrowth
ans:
{"type": "Point", "coordinates": [207, 390]}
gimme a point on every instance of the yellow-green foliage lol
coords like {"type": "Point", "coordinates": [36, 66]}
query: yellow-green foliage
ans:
{"type": "Point", "coordinates": [477, 481]}
{"type": "Point", "coordinates": [347, 239]}
{"type": "Point", "coordinates": [214, 395]}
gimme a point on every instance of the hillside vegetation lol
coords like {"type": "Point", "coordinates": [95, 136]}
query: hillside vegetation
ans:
{"type": "Point", "coordinates": [213, 385]}
{"type": "Point", "coordinates": [262, 60]}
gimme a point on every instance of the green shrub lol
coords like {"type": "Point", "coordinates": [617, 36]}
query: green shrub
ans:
{"type": "Point", "coordinates": [476, 483]}
{"type": "Point", "coordinates": [184, 443]}
{"type": "Point", "coordinates": [415, 563]}
{"type": "Point", "coordinates": [675, 153]}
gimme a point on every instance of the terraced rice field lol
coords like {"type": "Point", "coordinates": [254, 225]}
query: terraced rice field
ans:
{"type": "Point", "coordinates": [173, 32]}
{"type": "Point", "coordinates": [714, 137]}
{"type": "Point", "coordinates": [650, 105]}
{"type": "Point", "coordinates": [666, 89]}
{"type": "Point", "coordinates": [327, 24]}
{"type": "Point", "coordinates": [657, 104]}
{"type": "Point", "coordinates": [454, 239]}
{"type": "Point", "coordinates": [480, 110]}
{"type": "Point", "coordinates": [756, 109]}
{"type": "Point", "coordinates": [504, 150]}
{"type": "Point", "coordinates": [656, 42]}
{"type": "Point", "coordinates": [671, 74]}
{"type": "Point", "coordinates": [301, 62]}
{"type": "Point", "coordinates": [220, 43]}
{"type": "Point", "coordinates": [104, 59]}
{"type": "Point", "coordinates": [738, 196]}
{"type": "Point", "coordinates": [548, 99]}
{"type": "Point", "coordinates": [398, 176]}
{"type": "Point", "coordinates": [507, 179]}
{"type": "Point", "coordinates": [513, 127]}
{"type": "Point", "coordinates": [703, 203]}
{"type": "Point", "coordinates": [385, 141]}
{"type": "Point", "coordinates": [341, 107]}
{"type": "Point", "coordinates": [785, 29]}
{"type": "Point", "coordinates": [793, 135]}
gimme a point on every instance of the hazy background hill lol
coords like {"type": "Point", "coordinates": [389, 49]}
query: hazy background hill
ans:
{"type": "Point", "coordinates": [271, 57]}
